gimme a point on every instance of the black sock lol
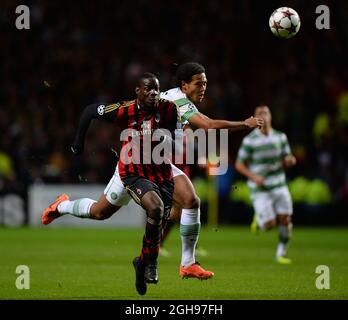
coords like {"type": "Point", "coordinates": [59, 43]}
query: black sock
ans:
{"type": "Point", "coordinates": [151, 243]}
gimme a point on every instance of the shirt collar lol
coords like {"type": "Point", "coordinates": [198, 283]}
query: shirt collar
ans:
{"type": "Point", "coordinates": [260, 134]}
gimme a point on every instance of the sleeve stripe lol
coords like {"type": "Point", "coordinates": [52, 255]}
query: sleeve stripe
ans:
{"type": "Point", "coordinates": [187, 115]}
{"type": "Point", "coordinates": [181, 102]}
{"type": "Point", "coordinates": [112, 107]}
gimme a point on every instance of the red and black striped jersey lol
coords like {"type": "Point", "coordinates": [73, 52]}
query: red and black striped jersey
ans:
{"type": "Point", "coordinates": [141, 123]}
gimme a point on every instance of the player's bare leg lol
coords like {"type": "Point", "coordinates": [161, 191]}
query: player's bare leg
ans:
{"type": "Point", "coordinates": [269, 225]}
{"type": "Point", "coordinates": [102, 209]}
{"type": "Point", "coordinates": [175, 214]}
{"type": "Point", "coordinates": [186, 197]}
{"type": "Point", "coordinates": [81, 208]}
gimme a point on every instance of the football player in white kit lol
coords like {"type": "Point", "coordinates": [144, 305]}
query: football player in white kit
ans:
{"type": "Point", "coordinates": [262, 157]}
{"type": "Point", "coordinates": [191, 83]}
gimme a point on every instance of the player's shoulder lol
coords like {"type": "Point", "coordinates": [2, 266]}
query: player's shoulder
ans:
{"type": "Point", "coordinates": [279, 133]}
{"type": "Point", "coordinates": [128, 103]}
{"type": "Point", "coordinates": [173, 94]}
{"type": "Point", "coordinates": [168, 109]}
{"type": "Point", "coordinates": [178, 97]}
{"type": "Point", "coordinates": [165, 102]}
{"type": "Point", "coordinates": [120, 104]}
{"type": "Point", "coordinates": [113, 108]}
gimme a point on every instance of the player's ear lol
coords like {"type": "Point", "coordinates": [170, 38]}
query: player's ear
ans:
{"type": "Point", "coordinates": [183, 84]}
{"type": "Point", "coordinates": [137, 89]}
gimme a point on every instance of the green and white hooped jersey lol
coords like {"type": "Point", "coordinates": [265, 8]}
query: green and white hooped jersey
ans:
{"type": "Point", "coordinates": [263, 154]}
{"type": "Point", "coordinates": [186, 107]}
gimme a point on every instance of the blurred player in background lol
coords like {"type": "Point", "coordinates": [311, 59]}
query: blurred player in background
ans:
{"type": "Point", "coordinates": [191, 83]}
{"type": "Point", "coordinates": [150, 185]}
{"type": "Point", "coordinates": [262, 158]}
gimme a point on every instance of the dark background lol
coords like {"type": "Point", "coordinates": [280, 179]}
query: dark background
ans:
{"type": "Point", "coordinates": [80, 52]}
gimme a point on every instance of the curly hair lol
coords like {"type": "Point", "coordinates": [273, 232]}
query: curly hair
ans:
{"type": "Point", "coordinates": [186, 71]}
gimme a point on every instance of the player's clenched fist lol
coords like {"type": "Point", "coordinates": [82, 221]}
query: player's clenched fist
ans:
{"type": "Point", "coordinates": [253, 122]}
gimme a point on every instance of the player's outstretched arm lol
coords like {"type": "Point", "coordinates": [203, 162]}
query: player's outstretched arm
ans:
{"type": "Point", "coordinates": [93, 111]}
{"type": "Point", "coordinates": [202, 121]}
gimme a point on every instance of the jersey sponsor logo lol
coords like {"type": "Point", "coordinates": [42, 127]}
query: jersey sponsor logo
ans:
{"type": "Point", "coordinates": [101, 109]}
{"type": "Point", "coordinates": [146, 127]}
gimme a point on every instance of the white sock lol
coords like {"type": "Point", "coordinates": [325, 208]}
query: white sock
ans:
{"type": "Point", "coordinates": [190, 225]}
{"type": "Point", "coordinates": [284, 237]}
{"type": "Point", "coordinates": [78, 208]}
{"type": "Point", "coordinates": [281, 249]}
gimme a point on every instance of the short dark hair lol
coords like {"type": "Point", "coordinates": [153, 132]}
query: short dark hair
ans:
{"type": "Point", "coordinates": [186, 71]}
{"type": "Point", "coordinates": [145, 75]}
{"type": "Point", "coordinates": [260, 105]}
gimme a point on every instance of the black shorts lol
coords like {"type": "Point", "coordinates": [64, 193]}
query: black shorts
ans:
{"type": "Point", "coordinates": [137, 187]}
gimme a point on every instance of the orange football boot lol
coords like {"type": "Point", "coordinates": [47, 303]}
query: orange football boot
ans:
{"type": "Point", "coordinates": [195, 271]}
{"type": "Point", "coordinates": [51, 213]}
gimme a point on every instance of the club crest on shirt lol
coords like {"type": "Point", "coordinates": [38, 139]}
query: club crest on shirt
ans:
{"type": "Point", "coordinates": [139, 191]}
{"type": "Point", "coordinates": [157, 117]}
{"type": "Point", "coordinates": [191, 107]}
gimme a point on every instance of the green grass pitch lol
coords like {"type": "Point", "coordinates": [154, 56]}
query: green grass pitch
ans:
{"type": "Point", "coordinates": [96, 264]}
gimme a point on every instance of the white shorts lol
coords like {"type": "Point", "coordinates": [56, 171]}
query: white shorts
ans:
{"type": "Point", "coordinates": [268, 204]}
{"type": "Point", "coordinates": [116, 193]}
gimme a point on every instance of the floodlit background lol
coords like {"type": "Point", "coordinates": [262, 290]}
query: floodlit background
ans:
{"type": "Point", "coordinates": [77, 53]}
{"type": "Point", "coordinates": [80, 52]}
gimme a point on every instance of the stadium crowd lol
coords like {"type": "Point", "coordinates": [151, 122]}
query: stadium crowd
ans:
{"type": "Point", "coordinates": [74, 55]}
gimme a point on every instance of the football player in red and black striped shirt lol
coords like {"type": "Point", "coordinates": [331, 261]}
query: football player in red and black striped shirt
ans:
{"type": "Point", "coordinates": [150, 185]}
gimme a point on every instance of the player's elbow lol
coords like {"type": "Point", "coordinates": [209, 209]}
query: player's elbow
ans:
{"type": "Point", "coordinates": [208, 124]}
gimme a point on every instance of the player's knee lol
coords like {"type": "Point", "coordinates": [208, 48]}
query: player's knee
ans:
{"type": "Point", "coordinates": [155, 210]}
{"type": "Point", "coordinates": [175, 213]}
{"type": "Point", "coordinates": [284, 219]}
{"type": "Point", "coordinates": [191, 202]}
{"type": "Point", "coordinates": [103, 214]}
{"type": "Point", "coordinates": [100, 215]}
{"type": "Point", "coordinates": [270, 224]}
